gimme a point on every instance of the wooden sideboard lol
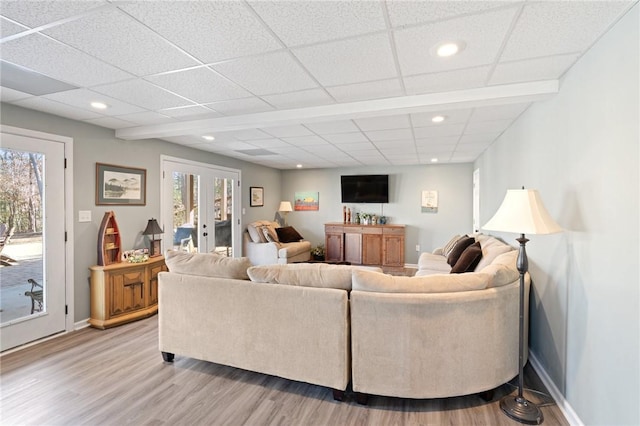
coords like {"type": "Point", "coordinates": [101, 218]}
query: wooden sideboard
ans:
{"type": "Point", "coordinates": [364, 244]}
{"type": "Point", "coordinates": [124, 292]}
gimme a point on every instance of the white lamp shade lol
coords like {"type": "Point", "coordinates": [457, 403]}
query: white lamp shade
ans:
{"type": "Point", "coordinates": [285, 206]}
{"type": "Point", "coordinates": [522, 212]}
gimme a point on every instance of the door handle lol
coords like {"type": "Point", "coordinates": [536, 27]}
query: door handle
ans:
{"type": "Point", "coordinates": [204, 234]}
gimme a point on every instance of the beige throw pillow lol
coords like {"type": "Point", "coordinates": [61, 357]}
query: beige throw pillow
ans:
{"type": "Point", "coordinates": [207, 264]}
{"type": "Point", "coordinates": [306, 274]}
{"type": "Point", "coordinates": [437, 283]}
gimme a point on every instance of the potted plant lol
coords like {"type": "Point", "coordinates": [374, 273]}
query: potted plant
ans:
{"type": "Point", "coordinates": [318, 252]}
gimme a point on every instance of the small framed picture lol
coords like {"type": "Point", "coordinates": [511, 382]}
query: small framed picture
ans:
{"type": "Point", "coordinates": [120, 186]}
{"type": "Point", "coordinates": [256, 196]}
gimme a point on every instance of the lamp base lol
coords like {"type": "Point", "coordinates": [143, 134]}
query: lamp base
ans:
{"type": "Point", "coordinates": [521, 410]}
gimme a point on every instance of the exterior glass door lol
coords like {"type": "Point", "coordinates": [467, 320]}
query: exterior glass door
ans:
{"type": "Point", "coordinates": [202, 213]}
{"type": "Point", "coordinates": [32, 247]}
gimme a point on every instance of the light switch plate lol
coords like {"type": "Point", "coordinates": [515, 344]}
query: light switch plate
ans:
{"type": "Point", "coordinates": [84, 216]}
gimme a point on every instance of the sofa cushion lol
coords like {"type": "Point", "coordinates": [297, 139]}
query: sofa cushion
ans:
{"type": "Point", "coordinates": [458, 248]}
{"type": "Point", "coordinates": [288, 250]}
{"type": "Point", "coordinates": [288, 234]}
{"type": "Point", "coordinates": [269, 234]}
{"type": "Point", "coordinates": [438, 283]}
{"type": "Point", "coordinates": [207, 264]}
{"type": "Point", "coordinates": [503, 269]}
{"type": "Point", "coordinates": [491, 248]}
{"type": "Point", "coordinates": [305, 274]}
{"type": "Point", "coordinates": [446, 249]}
{"type": "Point", "coordinates": [255, 231]}
{"type": "Point", "coordinates": [468, 259]}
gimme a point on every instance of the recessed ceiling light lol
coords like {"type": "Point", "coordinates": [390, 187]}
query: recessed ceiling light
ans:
{"type": "Point", "coordinates": [299, 166]}
{"type": "Point", "coordinates": [438, 118]}
{"type": "Point", "coordinates": [208, 137]}
{"type": "Point", "coordinates": [434, 160]}
{"type": "Point", "coordinates": [448, 48]}
{"type": "Point", "coordinates": [99, 105]}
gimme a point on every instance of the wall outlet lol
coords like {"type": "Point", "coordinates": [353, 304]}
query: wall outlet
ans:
{"type": "Point", "coordinates": [417, 247]}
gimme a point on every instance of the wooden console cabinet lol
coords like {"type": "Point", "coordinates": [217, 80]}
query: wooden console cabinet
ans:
{"type": "Point", "coordinates": [124, 292]}
{"type": "Point", "coordinates": [365, 244]}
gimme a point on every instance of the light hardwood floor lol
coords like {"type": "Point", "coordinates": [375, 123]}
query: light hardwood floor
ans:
{"type": "Point", "coordinates": [117, 377]}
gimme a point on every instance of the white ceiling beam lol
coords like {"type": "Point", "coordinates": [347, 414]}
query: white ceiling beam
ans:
{"type": "Point", "coordinates": [432, 102]}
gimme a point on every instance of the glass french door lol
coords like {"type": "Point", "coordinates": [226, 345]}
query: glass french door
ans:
{"type": "Point", "coordinates": [199, 207]}
{"type": "Point", "coordinates": [32, 240]}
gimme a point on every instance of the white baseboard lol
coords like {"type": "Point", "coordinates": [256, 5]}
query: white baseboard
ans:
{"type": "Point", "coordinates": [81, 324]}
{"type": "Point", "coordinates": [566, 409]}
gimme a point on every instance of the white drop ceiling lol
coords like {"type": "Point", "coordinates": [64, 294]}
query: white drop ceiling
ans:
{"type": "Point", "coordinates": [318, 83]}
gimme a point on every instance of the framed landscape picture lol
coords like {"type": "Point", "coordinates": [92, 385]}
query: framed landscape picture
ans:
{"type": "Point", "coordinates": [256, 196]}
{"type": "Point", "coordinates": [120, 186]}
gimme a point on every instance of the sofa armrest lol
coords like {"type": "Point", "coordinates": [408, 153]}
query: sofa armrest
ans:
{"type": "Point", "coordinates": [261, 253]}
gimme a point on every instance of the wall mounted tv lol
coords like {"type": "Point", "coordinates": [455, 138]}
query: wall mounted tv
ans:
{"type": "Point", "coordinates": [365, 188]}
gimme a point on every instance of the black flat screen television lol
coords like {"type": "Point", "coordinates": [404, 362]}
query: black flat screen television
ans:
{"type": "Point", "coordinates": [365, 188]}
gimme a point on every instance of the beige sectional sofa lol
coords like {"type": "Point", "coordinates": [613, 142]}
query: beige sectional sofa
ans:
{"type": "Point", "coordinates": [415, 337]}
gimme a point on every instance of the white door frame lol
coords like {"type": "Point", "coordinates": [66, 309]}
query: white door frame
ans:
{"type": "Point", "coordinates": [68, 214]}
{"type": "Point", "coordinates": [237, 196]}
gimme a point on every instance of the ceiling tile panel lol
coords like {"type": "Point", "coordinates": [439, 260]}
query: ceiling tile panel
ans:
{"type": "Point", "coordinates": [287, 131]}
{"type": "Point", "coordinates": [449, 141]}
{"type": "Point", "coordinates": [108, 35]}
{"type": "Point", "coordinates": [110, 122]}
{"type": "Point", "coordinates": [349, 61]}
{"type": "Point", "coordinates": [267, 74]}
{"type": "Point", "coordinates": [58, 61]}
{"type": "Point", "coordinates": [487, 126]}
{"type": "Point", "coordinates": [82, 98]}
{"type": "Point", "coordinates": [470, 78]}
{"type": "Point", "coordinates": [10, 95]}
{"type": "Point", "coordinates": [191, 112]}
{"type": "Point", "coordinates": [144, 118]}
{"type": "Point", "coordinates": [483, 35]}
{"type": "Point", "coordinates": [479, 138]}
{"type": "Point", "coordinates": [250, 135]}
{"type": "Point", "coordinates": [346, 138]}
{"type": "Point", "coordinates": [305, 140]}
{"type": "Point", "coordinates": [200, 85]}
{"type": "Point", "coordinates": [217, 30]}
{"type": "Point", "coordinates": [364, 91]}
{"type": "Point", "coordinates": [301, 99]}
{"type": "Point", "coordinates": [384, 122]}
{"type": "Point", "coordinates": [356, 147]}
{"type": "Point", "coordinates": [240, 106]}
{"type": "Point", "coordinates": [557, 27]}
{"type": "Point", "coordinates": [454, 116]}
{"type": "Point", "coordinates": [548, 68]}
{"type": "Point", "coordinates": [403, 12]}
{"type": "Point", "coordinates": [37, 13]}
{"type": "Point", "coordinates": [438, 131]}
{"type": "Point", "coordinates": [402, 145]}
{"type": "Point", "coordinates": [269, 143]}
{"type": "Point", "coordinates": [56, 108]}
{"type": "Point", "coordinates": [8, 28]}
{"type": "Point", "coordinates": [143, 94]}
{"type": "Point", "coordinates": [305, 22]}
{"type": "Point", "coordinates": [332, 127]}
{"type": "Point", "coordinates": [389, 135]}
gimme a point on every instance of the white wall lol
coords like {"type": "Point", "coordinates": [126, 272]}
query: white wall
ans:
{"type": "Point", "coordinates": [580, 150]}
{"type": "Point", "coordinates": [430, 230]}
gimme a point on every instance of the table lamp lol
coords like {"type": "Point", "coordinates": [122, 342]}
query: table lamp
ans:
{"type": "Point", "coordinates": [285, 208]}
{"type": "Point", "coordinates": [154, 244]}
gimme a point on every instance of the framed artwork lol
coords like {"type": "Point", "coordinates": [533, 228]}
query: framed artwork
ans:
{"type": "Point", "coordinates": [120, 186]}
{"type": "Point", "coordinates": [429, 202]}
{"type": "Point", "coordinates": [256, 196]}
{"type": "Point", "coordinates": [306, 201]}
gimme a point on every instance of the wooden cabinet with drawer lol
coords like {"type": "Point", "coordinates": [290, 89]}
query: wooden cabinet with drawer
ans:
{"type": "Point", "coordinates": [365, 244]}
{"type": "Point", "coordinates": [124, 292]}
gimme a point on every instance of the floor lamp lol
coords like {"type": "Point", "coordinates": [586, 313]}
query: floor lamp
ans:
{"type": "Point", "coordinates": [522, 212]}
